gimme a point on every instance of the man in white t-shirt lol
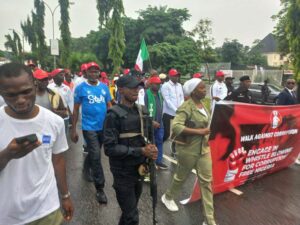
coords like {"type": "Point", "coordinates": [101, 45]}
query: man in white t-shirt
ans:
{"type": "Point", "coordinates": [65, 93]}
{"type": "Point", "coordinates": [172, 93]}
{"type": "Point", "coordinates": [33, 170]}
{"type": "Point", "coordinates": [218, 90]}
{"type": "Point", "coordinates": [1, 101]}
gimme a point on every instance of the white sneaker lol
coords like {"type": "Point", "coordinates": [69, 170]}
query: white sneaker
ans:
{"type": "Point", "coordinates": [170, 204]}
{"type": "Point", "coordinates": [204, 223]}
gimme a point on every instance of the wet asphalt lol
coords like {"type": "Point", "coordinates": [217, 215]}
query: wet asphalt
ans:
{"type": "Point", "coordinates": [272, 200]}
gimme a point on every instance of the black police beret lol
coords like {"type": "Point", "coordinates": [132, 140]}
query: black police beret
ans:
{"type": "Point", "coordinates": [243, 78]}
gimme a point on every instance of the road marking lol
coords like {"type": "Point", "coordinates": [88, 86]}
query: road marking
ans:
{"type": "Point", "coordinates": [233, 190]}
{"type": "Point", "coordinates": [236, 191]}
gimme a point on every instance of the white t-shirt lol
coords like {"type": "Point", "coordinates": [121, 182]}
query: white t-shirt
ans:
{"type": "Point", "coordinates": [28, 189]}
{"type": "Point", "coordinates": [218, 89]}
{"type": "Point", "coordinates": [2, 102]}
{"type": "Point", "coordinates": [173, 97]}
{"type": "Point", "coordinates": [141, 97]}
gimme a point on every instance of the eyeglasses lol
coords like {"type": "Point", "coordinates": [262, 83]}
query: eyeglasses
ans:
{"type": "Point", "coordinates": [290, 82]}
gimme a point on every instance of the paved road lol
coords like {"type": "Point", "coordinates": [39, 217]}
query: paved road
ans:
{"type": "Point", "coordinates": [273, 200]}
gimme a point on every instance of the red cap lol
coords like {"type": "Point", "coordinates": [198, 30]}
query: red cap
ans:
{"type": "Point", "coordinates": [56, 71]}
{"type": "Point", "coordinates": [83, 67]}
{"type": "Point", "coordinates": [92, 64]}
{"type": "Point", "coordinates": [197, 75]}
{"type": "Point", "coordinates": [126, 71]}
{"type": "Point", "coordinates": [154, 80]}
{"type": "Point", "coordinates": [40, 74]}
{"type": "Point", "coordinates": [173, 72]}
{"type": "Point", "coordinates": [220, 74]}
{"type": "Point", "coordinates": [103, 74]}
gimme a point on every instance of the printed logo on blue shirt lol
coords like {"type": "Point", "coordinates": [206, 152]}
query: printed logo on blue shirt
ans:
{"type": "Point", "coordinates": [46, 139]}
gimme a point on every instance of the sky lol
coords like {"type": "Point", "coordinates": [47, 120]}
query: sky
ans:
{"type": "Point", "coordinates": [244, 20]}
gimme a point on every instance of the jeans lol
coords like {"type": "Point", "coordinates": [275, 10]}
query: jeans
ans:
{"type": "Point", "coordinates": [92, 161]}
{"type": "Point", "coordinates": [158, 135]}
{"type": "Point", "coordinates": [128, 185]}
{"type": "Point", "coordinates": [167, 125]}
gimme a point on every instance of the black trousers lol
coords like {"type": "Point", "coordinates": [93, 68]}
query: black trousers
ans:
{"type": "Point", "coordinates": [167, 125]}
{"type": "Point", "coordinates": [94, 140]}
{"type": "Point", "coordinates": [128, 185]}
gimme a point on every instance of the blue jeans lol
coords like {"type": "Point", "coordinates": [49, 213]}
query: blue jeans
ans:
{"type": "Point", "coordinates": [94, 141]}
{"type": "Point", "coordinates": [159, 135]}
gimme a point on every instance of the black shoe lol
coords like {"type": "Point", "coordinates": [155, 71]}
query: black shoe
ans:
{"type": "Point", "coordinates": [101, 197]}
{"type": "Point", "coordinates": [161, 166]}
{"type": "Point", "coordinates": [87, 175]}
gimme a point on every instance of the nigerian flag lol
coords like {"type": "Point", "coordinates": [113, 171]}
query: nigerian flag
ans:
{"type": "Point", "coordinates": [142, 56]}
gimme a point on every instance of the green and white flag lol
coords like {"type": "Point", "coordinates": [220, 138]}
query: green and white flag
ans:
{"type": "Point", "coordinates": [142, 56]}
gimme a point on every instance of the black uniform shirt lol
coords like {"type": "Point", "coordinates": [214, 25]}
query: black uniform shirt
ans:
{"type": "Point", "coordinates": [124, 151]}
{"type": "Point", "coordinates": [241, 94]}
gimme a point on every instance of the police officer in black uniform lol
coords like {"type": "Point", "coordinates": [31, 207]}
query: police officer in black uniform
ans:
{"type": "Point", "coordinates": [242, 93]}
{"type": "Point", "coordinates": [125, 145]}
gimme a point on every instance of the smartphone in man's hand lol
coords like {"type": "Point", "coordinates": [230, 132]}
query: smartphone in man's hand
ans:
{"type": "Point", "coordinates": [31, 138]}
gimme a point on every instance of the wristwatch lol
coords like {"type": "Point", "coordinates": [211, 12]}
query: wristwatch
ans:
{"type": "Point", "coordinates": [66, 196]}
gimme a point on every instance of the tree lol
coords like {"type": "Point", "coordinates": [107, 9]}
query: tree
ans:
{"type": "Point", "coordinates": [104, 7]}
{"type": "Point", "coordinates": [65, 32]}
{"type": "Point", "coordinates": [14, 44]}
{"type": "Point", "coordinates": [181, 54]}
{"type": "Point", "coordinates": [287, 31]}
{"type": "Point", "coordinates": [78, 58]}
{"type": "Point", "coordinates": [158, 22]}
{"type": "Point", "coordinates": [280, 30]}
{"type": "Point", "coordinates": [28, 28]}
{"type": "Point", "coordinates": [39, 29]}
{"type": "Point", "coordinates": [204, 40]}
{"type": "Point", "coordinates": [117, 36]}
{"type": "Point", "coordinates": [234, 52]}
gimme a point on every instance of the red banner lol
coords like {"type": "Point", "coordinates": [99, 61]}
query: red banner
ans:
{"type": "Point", "coordinates": [251, 141]}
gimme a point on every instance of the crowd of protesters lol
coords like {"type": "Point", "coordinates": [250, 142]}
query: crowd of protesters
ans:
{"type": "Point", "coordinates": [112, 110]}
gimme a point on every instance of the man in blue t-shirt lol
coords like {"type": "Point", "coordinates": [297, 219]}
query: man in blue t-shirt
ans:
{"type": "Point", "coordinates": [94, 99]}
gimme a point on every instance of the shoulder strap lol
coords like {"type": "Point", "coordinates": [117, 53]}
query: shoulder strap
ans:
{"type": "Point", "coordinates": [140, 109]}
{"type": "Point", "coordinates": [118, 110]}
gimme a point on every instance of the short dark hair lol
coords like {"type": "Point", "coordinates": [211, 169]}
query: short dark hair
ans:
{"type": "Point", "coordinates": [9, 70]}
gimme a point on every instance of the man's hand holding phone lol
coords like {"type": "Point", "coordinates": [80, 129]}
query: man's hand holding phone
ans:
{"type": "Point", "coordinates": [21, 146]}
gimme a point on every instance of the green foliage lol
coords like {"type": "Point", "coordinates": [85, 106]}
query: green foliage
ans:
{"type": "Point", "coordinates": [181, 55]}
{"type": "Point", "coordinates": [280, 30]}
{"type": "Point", "coordinates": [204, 40]}
{"type": "Point", "coordinates": [293, 34]}
{"type": "Point", "coordinates": [78, 58]}
{"type": "Point", "coordinates": [65, 33]}
{"type": "Point", "coordinates": [29, 32]}
{"type": "Point", "coordinates": [39, 23]}
{"type": "Point", "coordinates": [117, 37]}
{"type": "Point", "coordinates": [234, 52]}
{"type": "Point", "coordinates": [158, 22]}
{"type": "Point", "coordinates": [104, 7]}
{"type": "Point", "coordinates": [14, 44]}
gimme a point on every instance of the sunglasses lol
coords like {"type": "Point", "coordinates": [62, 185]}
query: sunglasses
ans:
{"type": "Point", "coordinates": [290, 82]}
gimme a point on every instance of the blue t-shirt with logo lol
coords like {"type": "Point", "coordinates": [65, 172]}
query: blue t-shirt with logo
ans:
{"type": "Point", "coordinates": [93, 100]}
